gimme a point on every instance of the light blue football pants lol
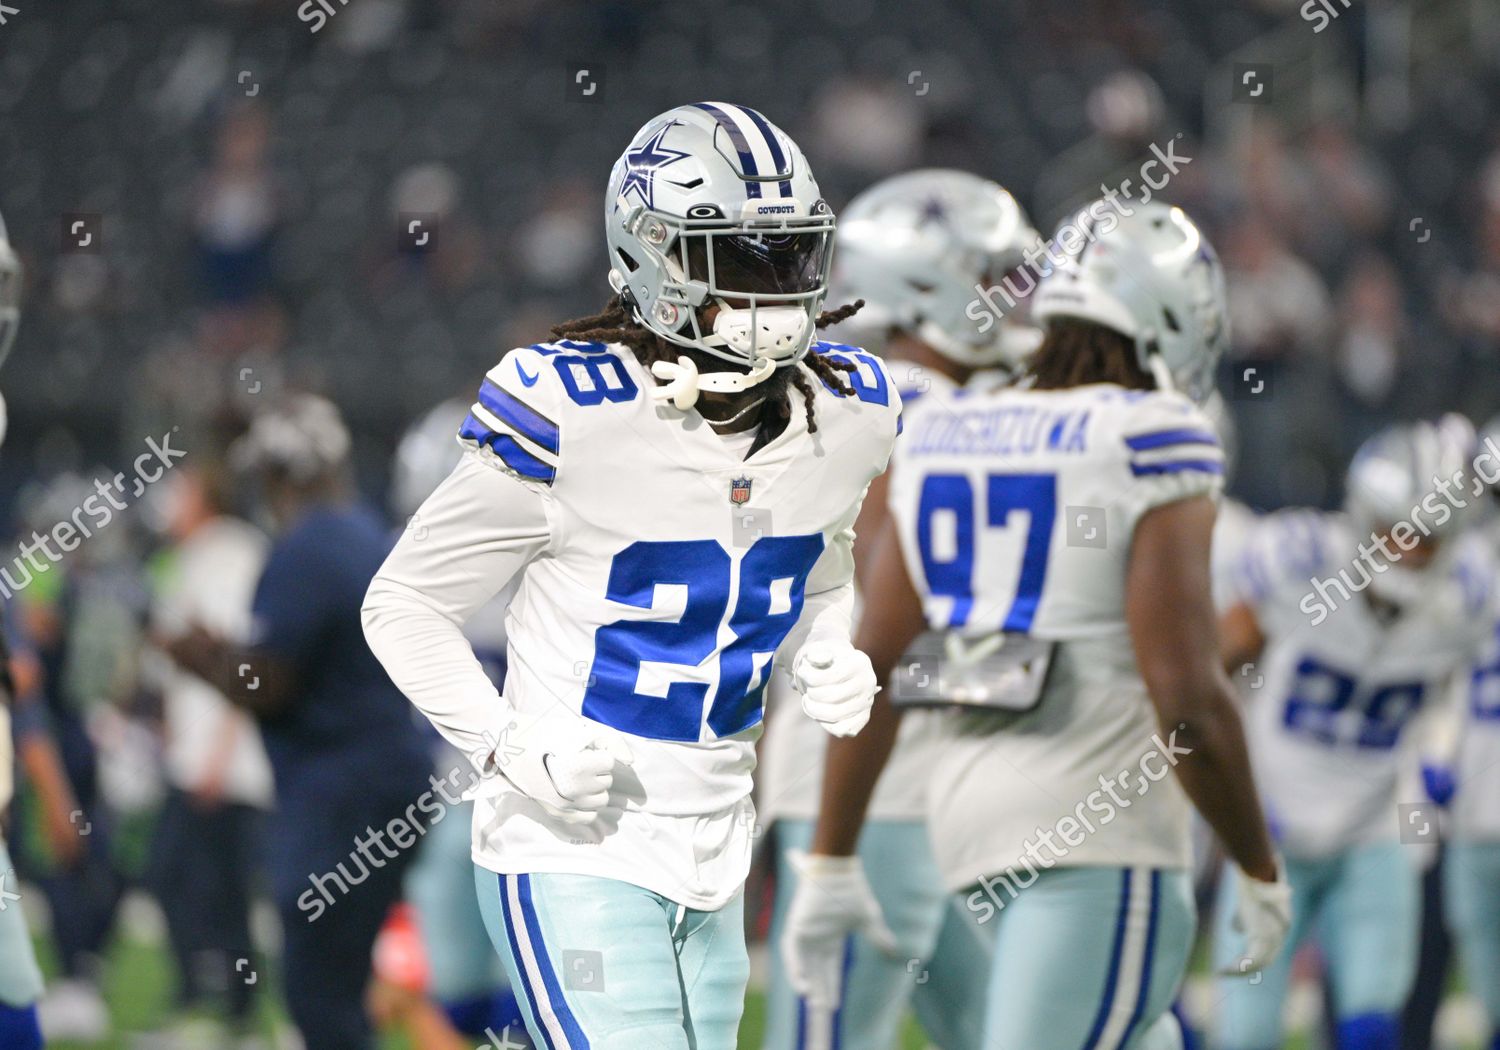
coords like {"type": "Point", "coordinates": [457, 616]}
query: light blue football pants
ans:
{"type": "Point", "coordinates": [940, 969]}
{"type": "Point", "coordinates": [599, 964]}
{"type": "Point", "coordinates": [438, 885]}
{"type": "Point", "coordinates": [1364, 907]}
{"type": "Point", "coordinates": [1471, 890]}
{"type": "Point", "coordinates": [20, 980]}
{"type": "Point", "coordinates": [1085, 958]}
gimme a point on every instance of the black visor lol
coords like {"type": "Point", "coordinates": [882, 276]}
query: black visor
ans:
{"type": "Point", "coordinates": [770, 263]}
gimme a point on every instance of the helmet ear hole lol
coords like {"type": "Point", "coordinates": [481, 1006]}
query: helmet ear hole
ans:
{"type": "Point", "coordinates": [1171, 319]}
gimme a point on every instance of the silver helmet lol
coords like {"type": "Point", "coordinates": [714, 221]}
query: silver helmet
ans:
{"type": "Point", "coordinates": [921, 248]}
{"type": "Point", "coordinates": [713, 205]}
{"type": "Point", "coordinates": [427, 454]}
{"type": "Point", "coordinates": [1149, 274]}
{"type": "Point", "coordinates": [10, 307]}
{"type": "Point", "coordinates": [303, 437]}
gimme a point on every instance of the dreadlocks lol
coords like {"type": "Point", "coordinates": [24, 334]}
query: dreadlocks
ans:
{"type": "Point", "coordinates": [616, 325]}
{"type": "Point", "coordinates": [1076, 353]}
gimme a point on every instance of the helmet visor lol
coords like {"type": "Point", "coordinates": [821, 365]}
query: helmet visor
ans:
{"type": "Point", "coordinates": [773, 262]}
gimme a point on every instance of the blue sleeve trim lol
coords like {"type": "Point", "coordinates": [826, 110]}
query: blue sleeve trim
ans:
{"type": "Point", "coordinates": [520, 416]}
{"type": "Point", "coordinates": [1206, 466]}
{"type": "Point", "coordinates": [509, 450]}
{"type": "Point", "coordinates": [1163, 438]}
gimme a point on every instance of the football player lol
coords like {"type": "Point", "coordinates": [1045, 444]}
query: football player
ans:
{"type": "Point", "coordinates": [1061, 549]}
{"type": "Point", "coordinates": [1354, 623]}
{"type": "Point", "coordinates": [917, 248]}
{"type": "Point", "coordinates": [1471, 891]}
{"type": "Point", "coordinates": [20, 979]}
{"type": "Point", "coordinates": [674, 483]}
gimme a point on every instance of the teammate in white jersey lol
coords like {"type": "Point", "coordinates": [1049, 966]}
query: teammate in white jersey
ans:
{"type": "Point", "coordinates": [20, 979]}
{"type": "Point", "coordinates": [1061, 549]}
{"type": "Point", "coordinates": [1471, 869]}
{"type": "Point", "coordinates": [1356, 623]}
{"type": "Point", "coordinates": [915, 248]}
{"type": "Point", "coordinates": [674, 482]}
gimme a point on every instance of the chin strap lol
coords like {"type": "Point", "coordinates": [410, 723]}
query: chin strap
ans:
{"type": "Point", "coordinates": [683, 381]}
{"type": "Point", "coordinates": [1161, 373]}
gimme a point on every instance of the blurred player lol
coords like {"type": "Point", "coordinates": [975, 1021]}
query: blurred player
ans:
{"type": "Point", "coordinates": [1351, 637]}
{"type": "Point", "coordinates": [205, 852]}
{"type": "Point", "coordinates": [20, 979]}
{"type": "Point", "coordinates": [915, 248]}
{"type": "Point", "coordinates": [1471, 891]}
{"type": "Point", "coordinates": [675, 483]}
{"type": "Point", "coordinates": [1062, 544]}
{"type": "Point", "coordinates": [349, 764]}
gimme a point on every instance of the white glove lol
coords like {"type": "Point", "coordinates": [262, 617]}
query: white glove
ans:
{"type": "Point", "coordinates": [837, 684]}
{"type": "Point", "coordinates": [832, 901]}
{"type": "Point", "coordinates": [1263, 913]}
{"type": "Point", "coordinates": [567, 766]}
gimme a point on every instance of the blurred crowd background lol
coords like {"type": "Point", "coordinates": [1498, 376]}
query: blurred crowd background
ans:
{"type": "Point", "coordinates": [249, 172]}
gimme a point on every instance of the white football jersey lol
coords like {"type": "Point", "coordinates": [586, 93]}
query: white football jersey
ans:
{"type": "Point", "coordinates": [1025, 503]}
{"type": "Point", "coordinates": [659, 574]}
{"type": "Point", "coordinates": [1336, 689]}
{"type": "Point", "coordinates": [791, 779]}
{"type": "Point", "coordinates": [1476, 803]}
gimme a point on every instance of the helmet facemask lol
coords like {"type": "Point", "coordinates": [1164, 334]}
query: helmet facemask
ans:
{"type": "Point", "coordinates": [766, 276]}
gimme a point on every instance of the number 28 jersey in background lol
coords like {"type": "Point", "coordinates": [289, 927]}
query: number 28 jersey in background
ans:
{"type": "Point", "coordinates": [1016, 510]}
{"type": "Point", "coordinates": [659, 574]}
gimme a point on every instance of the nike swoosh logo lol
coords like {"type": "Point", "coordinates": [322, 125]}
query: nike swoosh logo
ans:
{"type": "Point", "coordinates": [526, 378]}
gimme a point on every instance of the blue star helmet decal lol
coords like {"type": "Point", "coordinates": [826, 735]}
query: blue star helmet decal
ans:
{"type": "Point", "coordinates": [644, 162]}
{"type": "Point", "coordinates": [934, 211]}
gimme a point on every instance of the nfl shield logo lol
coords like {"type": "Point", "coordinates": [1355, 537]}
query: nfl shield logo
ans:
{"type": "Point", "coordinates": [739, 491]}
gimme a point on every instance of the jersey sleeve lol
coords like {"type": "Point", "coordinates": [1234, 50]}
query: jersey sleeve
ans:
{"type": "Point", "coordinates": [1170, 452]}
{"type": "Point", "coordinates": [477, 532]}
{"type": "Point", "coordinates": [514, 424]}
{"type": "Point", "coordinates": [1281, 557]}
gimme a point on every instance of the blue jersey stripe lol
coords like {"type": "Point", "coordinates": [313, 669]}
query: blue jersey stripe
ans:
{"type": "Point", "coordinates": [1145, 992]}
{"type": "Point", "coordinates": [571, 1029]}
{"type": "Point", "coordinates": [524, 419]}
{"type": "Point", "coordinates": [528, 995]}
{"type": "Point", "coordinates": [741, 144]}
{"type": "Point", "coordinates": [1177, 466]}
{"type": "Point", "coordinates": [1163, 438]}
{"type": "Point", "coordinates": [1102, 1016]}
{"type": "Point", "coordinates": [777, 156]}
{"type": "Point", "coordinates": [508, 449]}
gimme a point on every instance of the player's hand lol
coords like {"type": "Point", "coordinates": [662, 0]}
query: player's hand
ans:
{"type": "Point", "coordinates": [832, 901]}
{"type": "Point", "coordinates": [837, 684]}
{"type": "Point", "coordinates": [568, 767]}
{"type": "Point", "coordinates": [1263, 913]}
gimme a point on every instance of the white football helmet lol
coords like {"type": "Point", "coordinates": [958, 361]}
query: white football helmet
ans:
{"type": "Point", "coordinates": [713, 205]}
{"type": "Point", "coordinates": [1150, 275]}
{"type": "Point", "coordinates": [302, 437]}
{"type": "Point", "coordinates": [426, 454]}
{"type": "Point", "coordinates": [1394, 478]}
{"type": "Point", "coordinates": [920, 248]}
{"type": "Point", "coordinates": [10, 306]}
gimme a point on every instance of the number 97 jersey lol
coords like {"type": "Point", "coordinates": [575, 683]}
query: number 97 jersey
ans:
{"type": "Point", "coordinates": [1016, 510]}
{"type": "Point", "coordinates": [1016, 507]}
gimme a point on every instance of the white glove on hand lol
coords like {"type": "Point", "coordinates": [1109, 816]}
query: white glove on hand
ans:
{"type": "Point", "coordinates": [1263, 913]}
{"type": "Point", "coordinates": [832, 901]}
{"type": "Point", "coordinates": [567, 766]}
{"type": "Point", "coordinates": [837, 684]}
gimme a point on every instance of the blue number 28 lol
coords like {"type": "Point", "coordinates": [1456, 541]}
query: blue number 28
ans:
{"type": "Point", "coordinates": [702, 569]}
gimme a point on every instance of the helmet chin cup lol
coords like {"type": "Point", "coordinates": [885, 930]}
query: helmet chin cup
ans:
{"type": "Point", "coordinates": [777, 333]}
